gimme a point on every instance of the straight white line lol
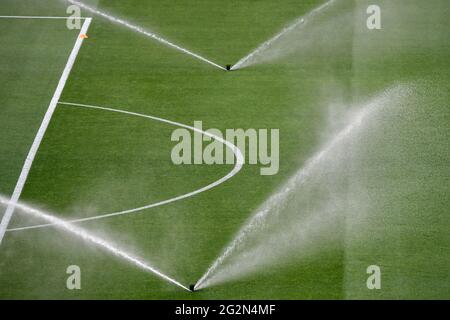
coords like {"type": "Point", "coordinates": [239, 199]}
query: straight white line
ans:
{"type": "Point", "coordinates": [37, 140]}
{"type": "Point", "coordinates": [41, 17]}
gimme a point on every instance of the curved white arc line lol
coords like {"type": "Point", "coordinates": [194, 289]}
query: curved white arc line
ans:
{"type": "Point", "coordinates": [237, 167]}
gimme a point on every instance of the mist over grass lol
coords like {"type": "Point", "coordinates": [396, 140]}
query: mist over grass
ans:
{"type": "Point", "coordinates": [319, 32]}
{"type": "Point", "coordinates": [308, 214]}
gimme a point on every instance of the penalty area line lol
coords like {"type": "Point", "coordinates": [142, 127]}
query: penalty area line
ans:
{"type": "Point", "coordinates": [40, 134]}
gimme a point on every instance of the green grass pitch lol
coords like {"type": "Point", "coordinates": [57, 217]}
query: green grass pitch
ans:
{"type": "Point", "coordinates": [392, 185]}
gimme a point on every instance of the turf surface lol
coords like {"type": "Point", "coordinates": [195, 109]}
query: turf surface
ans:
{"type": "Point", "coordinates": [94, 161]}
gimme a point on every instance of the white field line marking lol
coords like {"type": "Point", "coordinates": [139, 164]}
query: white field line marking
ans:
{"type": "Point", "coordinates": [42, 17]}
{"type": "Point", "coordinates": [237, 167]}
{"type": "Point", "coordinates": [85, 235]}
{"type": "Point", "coordinates": [144, 32]}
{"type": "Point", "coordinates": [262, 47]}
{"type": "Point", "coordinates": [40, 134]}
